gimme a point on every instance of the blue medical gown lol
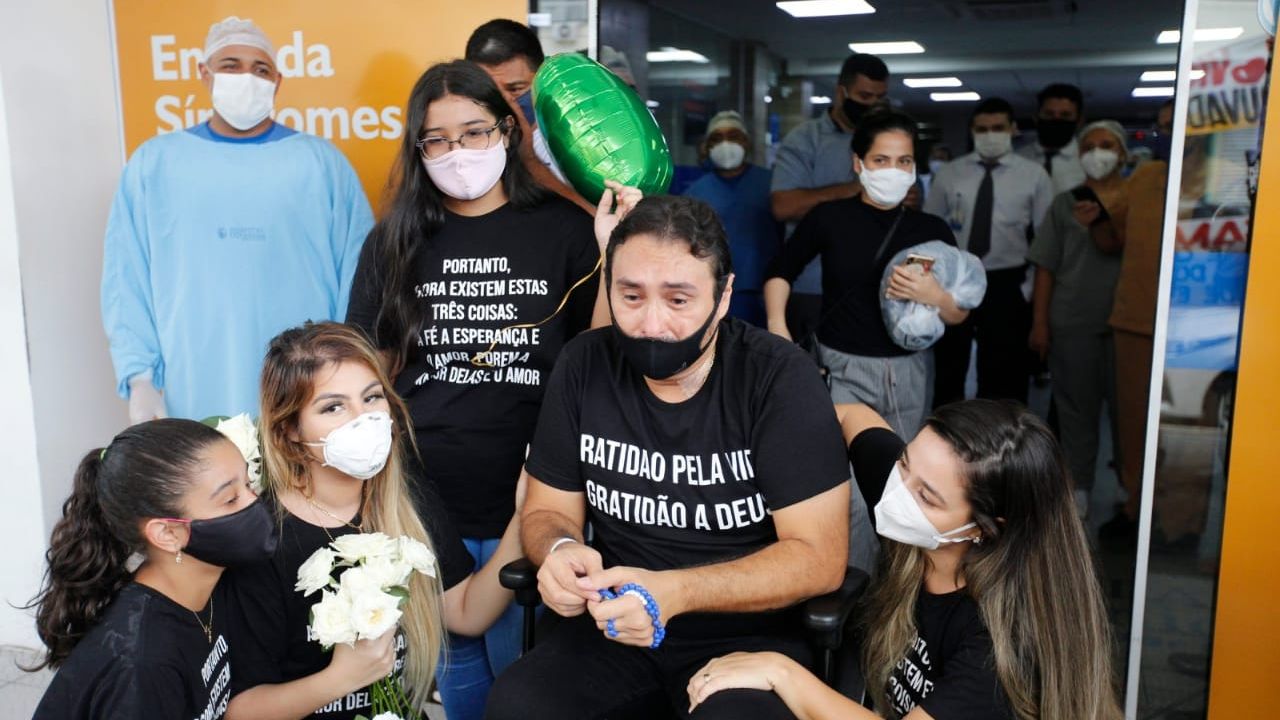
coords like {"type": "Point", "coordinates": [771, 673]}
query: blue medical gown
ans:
{"type": "Point", "coordinates": [216, 245]}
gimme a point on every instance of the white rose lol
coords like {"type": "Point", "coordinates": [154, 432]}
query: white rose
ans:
{"type": "Point", "coordinates": [357, 581]}
{"type": "Point", "coordinates": [331, 620]}
{"type": "Point", "coordinates": [373, 613]}
{"type": "Point", "coordinates": [242, 431]}
{"type": "Point", "coordinates": [356, 547]}
{"type": "Point", "coordinates": [388, 573]}
{"type": "Point", "coordinates": [418, 555]}
{"type": "Point", "coordinates": [315, 574]}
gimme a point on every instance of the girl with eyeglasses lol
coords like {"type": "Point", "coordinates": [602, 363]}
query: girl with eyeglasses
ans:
{"type": "Point", "coordinates": [469, 286]}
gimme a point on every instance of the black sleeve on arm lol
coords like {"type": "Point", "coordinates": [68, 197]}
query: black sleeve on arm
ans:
{"type": "Point", "coordinates": [802, 247]}
{"type": "Point", "coordinates": [872, 454]}
{"type": "Point", "coordinates": [795, 444]}
{"type": "Point", "coordinates": [366, 289]}
{"type": "Point", "coordinates": [456, 564]}
{"type": "Point", "coordinates": [257, 629]}
{"type": "Point", "coordinates": [553, 454]}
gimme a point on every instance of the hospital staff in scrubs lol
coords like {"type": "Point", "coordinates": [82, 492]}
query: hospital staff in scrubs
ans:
{"type": "Point", "coordinates": [220, 237]}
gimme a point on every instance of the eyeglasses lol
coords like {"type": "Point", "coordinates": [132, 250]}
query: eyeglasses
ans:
{"type": "Point", "coordinates": [473, 139]}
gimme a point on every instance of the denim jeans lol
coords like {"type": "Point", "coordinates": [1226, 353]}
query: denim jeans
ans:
{"type": "Point", "coordinates": [468, 665]}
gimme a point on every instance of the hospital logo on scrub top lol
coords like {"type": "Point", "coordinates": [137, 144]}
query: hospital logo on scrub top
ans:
{"type": "Point", "coordinates": [243, 234]}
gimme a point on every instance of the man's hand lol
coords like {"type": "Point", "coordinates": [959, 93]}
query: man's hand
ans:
{"type": "Point", "coordinates": [1039, 339]}
{"type": "Point", "coordinates": [630, 618]}
{"type": "Point", "coordinates": [608, 217]}
{"type": "Point", "coordinates": [908, 283]}
{"type": "Point", "coordinates": [558, 578]}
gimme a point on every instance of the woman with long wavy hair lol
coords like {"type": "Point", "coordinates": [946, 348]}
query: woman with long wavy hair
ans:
{"type": "Point", "coordinates": [148, 642]}
{"type": "Point", "coordinates": [334, 447]}
{"type": "Point", "coordinates": [987, 604]}
{"type": "Point", "coordinates": [469, 286]}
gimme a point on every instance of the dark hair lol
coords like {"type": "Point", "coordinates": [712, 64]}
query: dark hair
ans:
{"type": "Point", "coordinates": [143, 473]}
{"type": "Point", "coordinates": [498, 41]}
{"type": "Point", "coordinates": [415, 211]}
{"type": "Point", "coordinates": [874, 123]}
{"type": "Point", "coordinates": [863, 64]}
{"type": "Point", "coordinates": [678, 219]}
{"type": "Point", "coordinates": [1063, 91]}
{"type": "Point", "coordinates": [991, 106]}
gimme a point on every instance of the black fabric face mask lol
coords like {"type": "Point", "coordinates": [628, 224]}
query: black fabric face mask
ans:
{"type": "Point", "coordinates": [660, 359]}
{"type": "Point", "coordinates": [244, 537]}
{"type": "Point", "coordinates": [854, 110]}
{"type": "Point", "coordinates": [1055, 133]}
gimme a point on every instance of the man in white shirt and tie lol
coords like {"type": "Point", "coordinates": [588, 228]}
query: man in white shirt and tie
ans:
{"type": "Point", "coordinates": [1059, 115]}
{"type": "Point", "coordinates": [992, 198]}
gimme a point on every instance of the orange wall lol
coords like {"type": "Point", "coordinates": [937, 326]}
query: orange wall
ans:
{"type": "Point", "coordinates": [353, 65]}
{"type": "Point", "coordinates": [1246, 661]}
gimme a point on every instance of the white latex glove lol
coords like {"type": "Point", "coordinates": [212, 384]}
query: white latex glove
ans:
{"type": "Point", "coordinates": [145, 401]}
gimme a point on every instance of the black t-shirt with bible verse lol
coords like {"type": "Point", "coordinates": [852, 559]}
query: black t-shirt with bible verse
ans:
{"type": "Point", "coordinates": [949, 670]}
{"type": "Point", "coordinates": [147, 658]}
{"type": "Point", "coordinates": [481, 280]}
{"type": "Point", "coordinates": [674, 485]}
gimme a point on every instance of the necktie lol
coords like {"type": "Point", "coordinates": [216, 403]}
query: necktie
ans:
{"type": "Point", "coordinates": [980, 230]}
{"type": "Point", "coordinates": [1048, 161]}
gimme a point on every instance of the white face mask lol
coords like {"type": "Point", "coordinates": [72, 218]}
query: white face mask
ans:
{"type": "Point", "coordinates": [727, 155]}
{"type": "Point", "coordinates": [899, 517]}
{"type": "Point", "coordinates": [243, 99]}
{"type": "Point", "coordinates": [887, 186]}
{"type": "Point", "coordinates": [991, 145]}
{"type": "Point", "coordinates": [934, 166]}
{"type": "Point", "coordinates": [360, 447]}
{"type": "Point", "coordinates": [466, 174]}
{"type": "Point", "coordinates": [1099, 163]}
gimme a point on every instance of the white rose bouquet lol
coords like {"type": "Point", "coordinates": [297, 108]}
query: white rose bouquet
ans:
{"type": "Point", "coordinates": [242, 431]}
{"type": "Point", "coordinates": [364, 601]}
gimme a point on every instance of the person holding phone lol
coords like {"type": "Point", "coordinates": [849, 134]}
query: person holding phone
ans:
{"type": "Point", "coordinates": [855, 239]}
{"type": "Point", "coordinates": [1077, 257]}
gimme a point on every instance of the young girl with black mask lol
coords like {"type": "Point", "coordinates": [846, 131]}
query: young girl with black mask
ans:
{"type": "Point", "coordinates": [149, 643]}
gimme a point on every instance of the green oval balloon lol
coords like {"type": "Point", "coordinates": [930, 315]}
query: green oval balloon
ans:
{"type": "Point", "coordinates": [598, 128]}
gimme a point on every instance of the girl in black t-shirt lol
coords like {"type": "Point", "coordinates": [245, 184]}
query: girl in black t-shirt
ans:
{"type": "Point", "coordinates": [987, 604]}
{"type": "Point", "coordinates": [333, 450]}
{"type": "Point", "coordinates": [148, 643]}
{"type": "Point", "coordinates": [469, 286]}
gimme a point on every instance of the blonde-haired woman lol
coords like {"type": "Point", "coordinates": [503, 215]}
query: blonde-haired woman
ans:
{"type": "Point", "coordinates": [986, 605]}
{"type": "Point", "coordinates": [333, 445]}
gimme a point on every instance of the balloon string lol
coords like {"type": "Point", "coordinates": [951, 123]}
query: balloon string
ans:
{"type": "Point", "coordinates": [479, 358]}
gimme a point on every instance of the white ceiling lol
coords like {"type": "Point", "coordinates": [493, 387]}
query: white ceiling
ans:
{"type": "Point", "coordinates": [1006, 48]}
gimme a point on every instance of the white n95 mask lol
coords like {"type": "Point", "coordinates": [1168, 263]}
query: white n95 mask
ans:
{"type": "Point", "coordinates": [1099, 162]}
{"type": "Point", "coordinates": [887, 186]}
{"type": "Point", "coordinates": [243, 99]}
{"type": "Point", "coordinates": [360, 447]}
{"type": "Point", "coordinates": [727, 155]}
{"type": "Point", "coordinates": [899, 517]}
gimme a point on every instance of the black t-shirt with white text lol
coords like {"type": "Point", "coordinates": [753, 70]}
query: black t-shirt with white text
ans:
{"type": "Point", "coordinates": [950, 668]}
{"type": "Point", "coordinates": [675, 485]}
{"type": "Point", "coordinates": [475, 278]}
{"type": "Point", "coordinates": [148, 657]}
{"type": "Point", "coordinates": [846, 234]}
{"type": "Point", "coordinates": [270, 625]}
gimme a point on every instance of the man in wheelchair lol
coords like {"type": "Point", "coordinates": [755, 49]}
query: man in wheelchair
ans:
{"type": "Point", "coordinates": [707, 456]}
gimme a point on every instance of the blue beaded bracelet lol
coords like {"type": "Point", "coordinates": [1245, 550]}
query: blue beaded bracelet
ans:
{"type": "Point", "coordinates": [650, 606]}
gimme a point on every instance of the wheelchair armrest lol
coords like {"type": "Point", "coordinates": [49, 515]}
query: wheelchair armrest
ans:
{"type": "Point", "coordinates": [825, 615]}
{"type": "Point", "coordinates": [522, 577]}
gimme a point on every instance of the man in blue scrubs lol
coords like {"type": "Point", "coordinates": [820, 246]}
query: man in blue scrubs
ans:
{"type": "Point", "coordinates": [739, 193]}
{"type": "Point", "coordinates": [222, 236]}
